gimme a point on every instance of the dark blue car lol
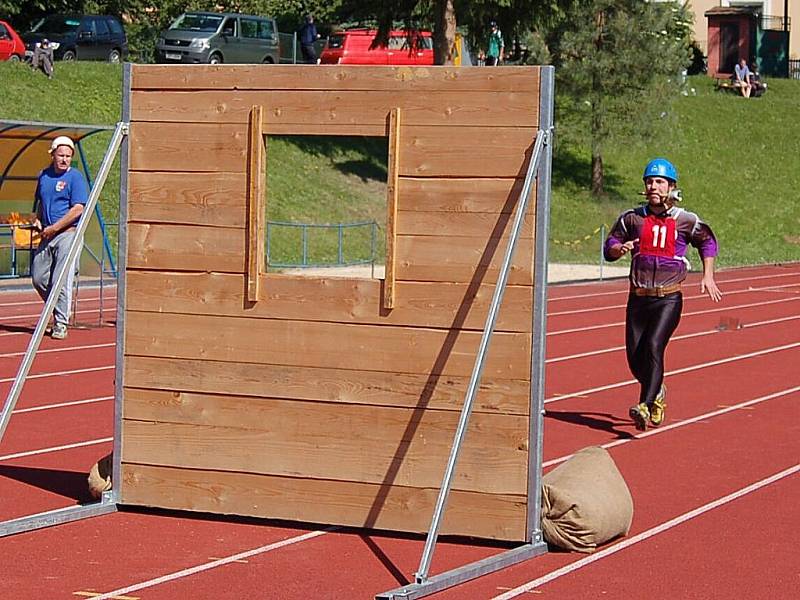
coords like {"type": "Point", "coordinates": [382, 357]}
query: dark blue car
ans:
{"type": "Point", "coordinates": [80, 37]}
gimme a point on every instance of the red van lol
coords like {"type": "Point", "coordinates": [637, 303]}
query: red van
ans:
{"type": "Point", "coordinates": [11, 45]}
{"type": "Point", "coordinates": [352, 47]}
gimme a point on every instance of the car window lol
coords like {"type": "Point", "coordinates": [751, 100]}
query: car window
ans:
{"type": "Point", "coordinates": [114, 26]}
{"type": "Point", "coordinates": [229, 27]}
{"type": "Point", "coordinates": [249, 28]}
{"type": "Point", "coordinates": [398, 42]}
{"type": "Point", "coordinates": [4, 32]}
{"type": "Point", "coordinates": [266, 30]}
{"type": "Point", "coordinates": [100, 27]}
{"type": "Point", "coordinates": [57, 24]}
{"type": "Point", "coordinates": [88, 25]}
{"type": "Point", "coordinates": [335, 41]}
{"type": "Point", "coordinates": [195, 22]}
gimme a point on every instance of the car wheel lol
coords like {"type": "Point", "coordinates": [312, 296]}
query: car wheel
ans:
{"type": "Point", "coordinates": [68, 55]}
{"type": "Point", "coordinates": [215, 59]}
{"type": "Point", "coordinates": [14, 58]}
{"type": "Point", "coordinates": [114, 56]}
{"type": "Point", "coordinates": [267, 61]}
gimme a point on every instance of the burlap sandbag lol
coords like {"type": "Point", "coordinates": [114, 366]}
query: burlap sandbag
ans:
{"type": "Point", "coordinates": [585, 502]}
{"type": "Point", "coordinates": [100, 477]}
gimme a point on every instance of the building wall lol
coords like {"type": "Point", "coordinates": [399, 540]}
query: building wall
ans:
{"type": "Point", "coordinates": [772, 8]}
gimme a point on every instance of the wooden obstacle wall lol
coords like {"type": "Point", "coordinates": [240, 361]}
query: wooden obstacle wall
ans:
{"type": "Point", "coordinates": [319, 399]}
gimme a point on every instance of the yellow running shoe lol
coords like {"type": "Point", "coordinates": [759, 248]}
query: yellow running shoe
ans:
{"type": "Point", "coordinates": [658, 409]}
{"type": "Point", "coordinates": [640, 415]}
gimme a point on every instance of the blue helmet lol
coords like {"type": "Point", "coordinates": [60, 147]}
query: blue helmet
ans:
{"type": "Point", "coordinates": [661, 167]}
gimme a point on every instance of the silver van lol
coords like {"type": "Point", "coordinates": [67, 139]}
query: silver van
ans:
{"type": "Point", "coordinates": [205, 37]}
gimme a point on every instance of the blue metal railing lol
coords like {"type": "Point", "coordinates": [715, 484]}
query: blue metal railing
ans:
{"type": "Point", "coordinates": [305, 229]}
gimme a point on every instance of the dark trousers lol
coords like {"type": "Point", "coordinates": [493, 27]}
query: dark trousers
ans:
{"type": "Point", "coordinates": [309, 55]}
{"type": "Point", "coordinates": [649, 323]}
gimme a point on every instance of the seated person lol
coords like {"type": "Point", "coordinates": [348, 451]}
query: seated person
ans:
{"type": "Point", "coordinates": [741, 78]}
{"type": "Point", "coordinates": [758, 86]}
{"type": "Point", "coordinates": [43, 58]}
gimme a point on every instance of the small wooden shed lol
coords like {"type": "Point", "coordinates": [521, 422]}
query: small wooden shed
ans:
{"type": "Point", "coordinates": [323, 399]}
{"type": "Point", "coordinates": [731, 37]}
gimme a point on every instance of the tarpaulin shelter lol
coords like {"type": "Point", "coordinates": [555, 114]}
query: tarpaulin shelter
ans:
{"type": "Point", "coordinates": [23, 154]}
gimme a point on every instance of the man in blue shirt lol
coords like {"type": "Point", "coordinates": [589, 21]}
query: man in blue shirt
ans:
{"type": "Point", "coordinates": [742, 78]}
{"type": "Point", "coordinates": [61, 194]}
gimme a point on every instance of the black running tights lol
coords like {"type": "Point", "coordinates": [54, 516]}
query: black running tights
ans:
{"type": "Point", "coordinates": [649, 323]}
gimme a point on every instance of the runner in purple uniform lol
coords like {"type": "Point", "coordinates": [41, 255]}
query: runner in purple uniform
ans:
{"type": "Point", "coordinates": [657, 235]}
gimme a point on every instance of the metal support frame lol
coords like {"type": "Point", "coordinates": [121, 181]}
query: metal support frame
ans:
{"type": "Point", "coordinates": [424, 584]}
{"type": "Point", "coordinates": [108, 501]}
{"type": "Point", "coordinates": [99, 214]}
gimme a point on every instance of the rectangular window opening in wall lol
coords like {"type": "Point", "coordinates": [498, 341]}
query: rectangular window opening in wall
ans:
{"type": "Point", "coordinates": [326, 205]}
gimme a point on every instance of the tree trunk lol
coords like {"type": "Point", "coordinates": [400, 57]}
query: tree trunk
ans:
{"type": "Point", "coordinates": [597, 150]}
{"type": "Point", "coordinates": [444, 36]}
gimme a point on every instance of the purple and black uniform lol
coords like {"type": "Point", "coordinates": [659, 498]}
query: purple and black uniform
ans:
{"type": "Point", "coordinates": [658, 260]}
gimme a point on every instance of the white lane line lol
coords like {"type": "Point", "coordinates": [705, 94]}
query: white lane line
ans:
{"type": "Point", "coordinates": [61, 349]}
{"type": "Point", "coordinates": [59, 373]}
{"type": "Point", "coordinates": [685, 336]}
{"type": "Point", "coordinates": [625, 285]}
{"type": "Point", "coordinates": [39, 301]}
{"type": "Point", "coordinates": [686, 314]}
{"type": "Point", "coordinates": [56, 448]}
{"type": "Point", "coordinates": [688, 369]}
{"type": "Point", "coordinates": [37, 315]}
{"type": "Point", "coordinates": [751, 290]}
{"type": "Point", "coordinates": [683, 423]}
{"type": "Point", "coordinates": [214, 564]}
{"type": "Point", "coordinates": [20, 411]}
{"type": "Point", "coordinates": [627, 542]}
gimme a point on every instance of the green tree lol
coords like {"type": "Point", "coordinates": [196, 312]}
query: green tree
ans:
{"type": "Point", "coordinates": [621, 63]}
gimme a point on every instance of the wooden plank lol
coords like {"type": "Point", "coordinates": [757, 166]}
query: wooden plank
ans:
{"type": "Point", "coordinates": [185, 198]}
{"type": "Point", "coordinates": [467, 151]}
{"type": "Point", "coordinates": [185, 248]}
{"type": "Point", "coordinates": [420, 304]}
{"type": "Point", "coordinates": [320, 440]}
{"type": "Point", "coordinates": [337, 108]}
{"type": "Point", "coordinates": [392, 191]}
{"type": "Point", "coordinates": [334, 77]}
{"type": "Point", "coordinates": [327, 345]}
{"type": "Point", "coordinates": [508, 396]}
{"type": "Point", "coordinates": [189, 147]}
{"type": "Point", "coordinates": [333, 502]}
{"type": "Point", "coordinates": [426, 151]}
{"type": "Point", "coordinates": [462, 259]}
{"type": "Point", "coordinates": [460, 195]}
{"type": "Point", "coordinates": [256, 204]}
{"type": "Point", "coordinates": [479, 225]}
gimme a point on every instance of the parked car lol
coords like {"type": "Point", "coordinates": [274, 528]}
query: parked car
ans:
{"type": "Point", "coordinates": [352, 47]}
{"type": "Point", "coordinates": [206, 37]}
{"type": "Point", "coordinates": [11, 45]}
{"type": "Point", "coordinates": [80, 37]}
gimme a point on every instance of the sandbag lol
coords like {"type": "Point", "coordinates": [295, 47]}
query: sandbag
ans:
{"type": "Point", "coordinates": [585, 502]}
{"type": "Point", "coordinates": [100, 477]}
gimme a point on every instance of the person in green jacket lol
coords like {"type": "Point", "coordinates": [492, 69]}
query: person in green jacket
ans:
{"type": "Point", "coordinates": [494, 46]}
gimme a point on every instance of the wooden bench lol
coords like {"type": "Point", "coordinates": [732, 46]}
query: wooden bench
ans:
{"type": "Point", "coordinates": [724, 84]}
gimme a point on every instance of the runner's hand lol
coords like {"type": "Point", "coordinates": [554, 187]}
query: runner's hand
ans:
{"type": "Point", "coordinates": [709, 286]}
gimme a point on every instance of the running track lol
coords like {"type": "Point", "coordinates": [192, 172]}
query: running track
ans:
{"type": "Point", "coordinates": [715, 490]}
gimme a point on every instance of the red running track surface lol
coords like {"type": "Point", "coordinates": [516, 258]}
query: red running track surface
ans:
{"type": "Point", "coordinates": [714, 489]}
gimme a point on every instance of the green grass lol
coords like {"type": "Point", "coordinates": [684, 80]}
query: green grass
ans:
{"type": "Point", "coordinates": [738, 165]}
{"type": "Point", "coordinates": [737, 161]}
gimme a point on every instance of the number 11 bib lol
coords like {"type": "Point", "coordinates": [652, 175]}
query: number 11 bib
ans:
{"type": "Point", "coordinates": [657, 237]}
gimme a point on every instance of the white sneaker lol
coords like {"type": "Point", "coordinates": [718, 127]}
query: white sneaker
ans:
{"type": "Point", "coordinates": [59, 331]}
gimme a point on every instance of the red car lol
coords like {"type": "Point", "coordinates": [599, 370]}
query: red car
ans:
{"type": "Point", "coordinates": [352, 47]}
{"type": "Point", "coordinates": [11, 45]}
